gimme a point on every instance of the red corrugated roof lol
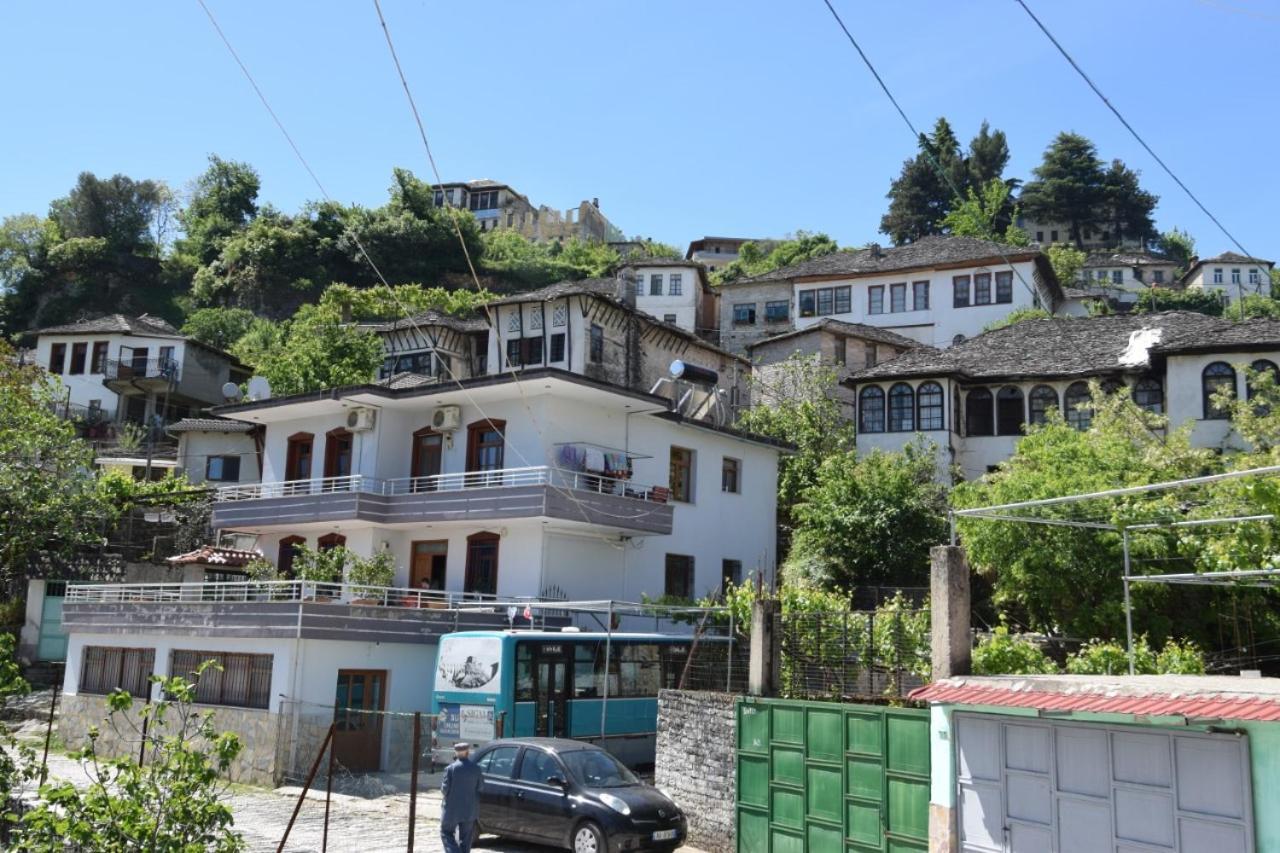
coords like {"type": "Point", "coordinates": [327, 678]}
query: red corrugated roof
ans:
{"type": "Point", "coordinates": [217, 556]}
{"type": "Point", "coordinates": [1023, 694]}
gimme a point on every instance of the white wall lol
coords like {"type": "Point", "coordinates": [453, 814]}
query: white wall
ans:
{"type": "Point", "coordinates": [88, 386]}
{"type": "Point", "coordinates": [1202, 278]}
{"type": "Point", "coordinates": [684, 306]}
{"type": "Point", "coordinates": [1186, 399]}
{"type": "Point", "coordinates": [195, 448]}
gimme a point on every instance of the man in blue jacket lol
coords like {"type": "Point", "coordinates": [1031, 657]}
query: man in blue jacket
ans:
{"type": "Point", "coordinates": [461, 809]}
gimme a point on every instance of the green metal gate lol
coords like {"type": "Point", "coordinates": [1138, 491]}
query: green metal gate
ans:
{"type": "Point", "coordinates": [52, 642]}
{"type": "Point", "coordinates": [826, 777]}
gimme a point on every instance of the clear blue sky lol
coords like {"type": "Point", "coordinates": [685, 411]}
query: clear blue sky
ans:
{"type": "Point", "coordinates": [685, 117]}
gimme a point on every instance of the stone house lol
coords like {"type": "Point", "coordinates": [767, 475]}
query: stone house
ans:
{"type": "Point", "coordinates": [496, 205]}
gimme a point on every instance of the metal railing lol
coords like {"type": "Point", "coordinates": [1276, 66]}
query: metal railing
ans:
{"type": "Point", "coordinates": [142, 368]}
{"type": "Point", "coordinates": [250, 592]}
{"type": "Point", "coordinates": [536, 475]}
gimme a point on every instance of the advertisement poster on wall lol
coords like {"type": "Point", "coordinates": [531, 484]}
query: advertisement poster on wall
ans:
{"type": "Point", "coordinates": [469, 664]}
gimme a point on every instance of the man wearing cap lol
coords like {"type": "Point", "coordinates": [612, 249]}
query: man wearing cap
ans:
{"type": "Point", "coordinates": [461, 809]}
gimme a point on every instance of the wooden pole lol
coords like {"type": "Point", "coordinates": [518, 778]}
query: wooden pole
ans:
{"type": "Point", "coordinates": [328, 794]}
{"type": "Point", "coordinates": [48, 732]}
{"type": "Point", "coordinates": [315, 765]}
{"type": "Point", "coordinates": [413, 775]}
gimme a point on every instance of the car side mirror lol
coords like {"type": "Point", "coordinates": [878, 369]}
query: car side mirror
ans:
{"type": "Point", "coordinates": [558, 782]}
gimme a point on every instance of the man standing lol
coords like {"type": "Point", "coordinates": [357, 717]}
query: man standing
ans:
{"type": "Point", "coordinates": [461, 789]}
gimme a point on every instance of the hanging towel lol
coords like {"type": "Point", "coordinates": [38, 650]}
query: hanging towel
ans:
{"type": "Point", "coordinates": [595, 459]}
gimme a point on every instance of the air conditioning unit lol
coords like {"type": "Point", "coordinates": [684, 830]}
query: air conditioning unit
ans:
{"type": "Point", "coordinates": [361, 420]}
{"type": "Point", "coordinates": [446, 418]}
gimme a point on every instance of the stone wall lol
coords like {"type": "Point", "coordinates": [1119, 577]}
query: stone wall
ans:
{"type": "Point", "coordinates": [695, 763]}
{"type": "Point", "coordinates": [258, 731]}
{"type": "Point", "coordinates": [736, 338]}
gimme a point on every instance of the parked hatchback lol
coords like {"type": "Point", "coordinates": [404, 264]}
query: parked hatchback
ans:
{"type": "Point", "coordinates": [572, 794]}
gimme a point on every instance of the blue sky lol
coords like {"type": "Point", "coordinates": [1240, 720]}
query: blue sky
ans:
{"type": "Point", "coordinates": [685, 118]}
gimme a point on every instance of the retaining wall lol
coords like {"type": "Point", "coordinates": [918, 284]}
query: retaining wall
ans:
{"type": "Point", "coordinates": [695, 763]}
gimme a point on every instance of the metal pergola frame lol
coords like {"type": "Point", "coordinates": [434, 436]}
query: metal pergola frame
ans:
{"type": "Point", "coordinates": [1255, 578]}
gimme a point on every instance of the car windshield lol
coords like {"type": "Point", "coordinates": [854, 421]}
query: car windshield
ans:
{"type": "Point", "coordinates": [597, 769]}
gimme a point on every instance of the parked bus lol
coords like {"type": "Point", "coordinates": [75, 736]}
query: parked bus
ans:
{"type": "Point", "coordinates": [552, 684]}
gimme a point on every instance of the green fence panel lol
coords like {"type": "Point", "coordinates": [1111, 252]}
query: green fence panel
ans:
{"type": "Point", "coordinates": [825, 776]}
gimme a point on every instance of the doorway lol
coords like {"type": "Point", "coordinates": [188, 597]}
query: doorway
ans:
{"type": "Point", "coordinates": [428, 452]}
{"type": "Point", "coordinates": [482, 564]}
{"type": "Point", "coordinates": [357, 733]}
{"type": "Point", "coordinates": [427, 568]}
{"type": "Point", "coordinates": [551, 690]}
{"type": "Point", "coordinates": [337, 457]}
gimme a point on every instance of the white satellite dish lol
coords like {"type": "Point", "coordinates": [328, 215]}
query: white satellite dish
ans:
{"type": "Point", "coordinates": [259, 388]}
{"type": "Point", "coordinates": [230, 392]}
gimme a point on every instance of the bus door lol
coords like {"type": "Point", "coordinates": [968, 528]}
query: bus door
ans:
{"type": "Point", "coordinates": [552, 668]}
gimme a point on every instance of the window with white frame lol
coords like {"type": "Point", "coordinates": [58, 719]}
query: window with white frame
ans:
{"type": "Point", "coordinates": [655, 284]}
{"type": "Point", "coordinates": [920, 296]}
{"type": "Point", "coordinates": [1254, 277]}
{"type": "Point", "coordinates": [1235, 276]}
{"type": "Point", "coordinates": [1217, 275]}
{"type": "Point", "coordinates": [875, 299]}
{"type": "Point", "coordinates": [675, 284]}
{"type": "Point", "coordinates": [898, 297]}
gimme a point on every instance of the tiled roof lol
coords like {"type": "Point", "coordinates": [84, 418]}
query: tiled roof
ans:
{"type": "Point", "coordinates": [925, 252]}
{"type": "Point", "coordinates": [1233, 258]}
{"type": "Point", "coordinates": [633, 261]}
{"type": "Point", "coordinates": [214, 555]}
{"type": "Point", "coordinates": [433, 318]}
{"type": "Point", "coordinates": [1199, 697]}
{"type": "Point", "coordinates": [1075, 347]}
{"type": "Point", "coordinates": [855, 330]}
{"type": "Point", "coordinates": [1127, 259]}
{"type": "Point", "coordinates": [210, 425]}
{"type": "Point", "coordinates": [107, 323]}
{"type": "Point", "coordinates": [408, 379]}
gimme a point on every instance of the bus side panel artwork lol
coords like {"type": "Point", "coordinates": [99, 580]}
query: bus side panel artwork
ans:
{"type": "Point", "coordinates": [469, 664]}
{"type": "Point", "coordinates": [471, 723]}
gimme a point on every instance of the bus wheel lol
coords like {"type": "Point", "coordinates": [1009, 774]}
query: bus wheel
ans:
{"type": "Point", "coordinates": [588, 838]}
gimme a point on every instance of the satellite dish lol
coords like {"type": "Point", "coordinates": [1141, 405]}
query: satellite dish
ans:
{"type": "Point", "coordinates": [230, 392]}
{"type": "Point", "coordinates": [259, 388]}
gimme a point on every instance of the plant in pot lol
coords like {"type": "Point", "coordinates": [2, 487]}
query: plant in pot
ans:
{"type": "Point", "coordinates": [261, 571]}
{"type": "Point", "coordinates": [370, 575]}
{"type": "Point", "coordinates": [321, 566]}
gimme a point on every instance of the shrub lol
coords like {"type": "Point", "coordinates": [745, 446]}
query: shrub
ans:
{"type": "Point", "coordinates": [1180, 658]}
{"type": "Point", "coordinates": [372, 572]}
{"type": "Point", "coordinates": [1004, 654]}
{"type": "Point", "coordinates": [321, 566]}
{"type": "Point", "coordinates": [1108, 657]}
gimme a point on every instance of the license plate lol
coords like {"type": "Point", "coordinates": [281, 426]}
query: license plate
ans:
{"type": "Point", "coordinates": [665, 835]}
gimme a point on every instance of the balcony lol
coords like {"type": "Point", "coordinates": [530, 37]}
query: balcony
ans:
{"type": "Point", "coordinates": [155, 371]}
{"type": "Point", "coordinates": [301, 609]}
{"type": "Point", "coordinates": [474, 496]}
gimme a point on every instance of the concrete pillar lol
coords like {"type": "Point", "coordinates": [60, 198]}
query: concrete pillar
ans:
{"type": "Point", "coordinates": [766, 663]}
{"type": "Point", "coordinates": [951, 643]}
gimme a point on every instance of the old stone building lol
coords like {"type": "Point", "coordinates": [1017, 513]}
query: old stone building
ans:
{"type": "Point", "coordinates": [496, 205]}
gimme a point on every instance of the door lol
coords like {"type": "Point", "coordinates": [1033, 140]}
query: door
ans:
{"type": "Point", "coordinates": [485, 449]}
{"type": "Point", "coordinates": [337, 457]}
{"type": "Point", "coordinates": [357, 734]}
{"type": "Point", "coordinates": [428, 566]}
{"type": "Point", "coordinates": [541, 806]}
{"type": "Point", "coordinates": [497, 790]}
{"type": "Point", "coordinates": [428, 450]}
{"type": "Point", "coordinates": [551, 690]}
{"type": "Point", "coordinates": [52, 644]}
{"type": "Point", "coordinates": [482, 564]}
{"type": "Point", "coordinates": [297, 463]}
{"type": "Point", "coordinates": [138, 361]}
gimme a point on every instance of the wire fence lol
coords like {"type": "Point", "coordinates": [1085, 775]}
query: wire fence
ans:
{"type": "Point", "coordinates": [862, 655]}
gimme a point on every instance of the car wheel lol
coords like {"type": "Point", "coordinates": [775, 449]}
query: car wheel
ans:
{"type": "Point", "coordinates": [588, 838]}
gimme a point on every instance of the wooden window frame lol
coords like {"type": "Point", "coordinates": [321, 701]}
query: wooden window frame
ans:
{"type": "Point", "coordinates": [731, 484]}
{"type": "Point", "coordinates": [474, 429]}
{"type": "Point", "coordinates": [79, 358]}
{"type": "Point", "coordinates": [98, 357]}
{"type": "Point", "coordinates": [57, 358]}
{"type": "Point", "coordinates": [483, 537]}
{"type": "Point", "coordinates": [331, 440]}
{"type": "Point", "coordinates": [686, 494]}
{"type": "Point", "coordinates": [687, 564]}
{"type": "Point", "coordinates": [293, 444]}
{"type": "Point", "coordinates": [329, 541]}
{"type": "Point", "coordinates": [288, 545]}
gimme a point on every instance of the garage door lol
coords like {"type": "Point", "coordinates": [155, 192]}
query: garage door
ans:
{"type": "Point", "coordinates": [1026, 786]}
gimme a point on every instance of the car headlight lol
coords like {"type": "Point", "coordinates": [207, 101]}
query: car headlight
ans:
{"type": "Point", "coordinates": [618, 804]}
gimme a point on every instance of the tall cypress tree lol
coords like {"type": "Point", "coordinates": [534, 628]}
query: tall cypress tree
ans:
{"type": "Point", "coordinates": [1069, 186]}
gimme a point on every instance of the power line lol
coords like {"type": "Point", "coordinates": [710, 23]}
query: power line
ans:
{"type": "Point", "coordinates": [1129, 127]}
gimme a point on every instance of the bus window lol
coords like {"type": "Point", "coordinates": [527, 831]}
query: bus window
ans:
{"type": "Point", "coordinates": [524, 673]}
{"type": "Point", "coordinates": [673, 663]}
{"type": "Point", "coordinates": [638, 671]}
{"type": "Point", "coordinates": [586, 677]}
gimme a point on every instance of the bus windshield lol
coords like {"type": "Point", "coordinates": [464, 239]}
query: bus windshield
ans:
{"type": "Point", "coordinates": [597, 769]}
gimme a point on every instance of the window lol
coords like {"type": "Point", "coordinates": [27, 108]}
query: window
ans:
{"type": "Point", "coordinates": [224, 469]}
{"type": "Point", "coordinates": [730, 574]}
{"type": "Point", "coordinates": [978, 414]}
{"type": "Point", "coordinates": [524, 351]}
{"type": "Point", "coordinates": [1235, 276]}
{"type": "Point", "coordinates": [1217, 275]}
{"type": "Point", "coordinates": [898, 297]}
{"type": "Point", "coordinates": [1004, 287]}
{"type": "Point", "coordinates": [675, 285]}
{"type": "Point", "coordinates": [500, 762]}
{"type": "Point", "coordinates": [744, 314]}
{"type": "Point", "coordinates": [826, 301]}
{"type": "Point", "coordinates": [1053, 236]}
{"type": "Point", "coordinates": [1039, 236]}
{"type": "Point", "coordinates": [239, 680]}
{"type": "Point", "coordinates": [902, 406]}
{"type": "Point", "coordinates": [681, 474]}
{"type": "Point", "coordinates": [596, 351]}
{"type": "Point", "coordinates": [484, 200]}
{"type": "Point", "coordinates": [99, 360]}
{"type": "Point", "coordinates": [679, 576]}
{"type": "Point", "coordinates": [57, 355]}
{"type": "Point", "coordinates": [920, 296]}
{"type": "Point", "coordinates": [1254, 276]}
{"type": "Point", "coordinates": [777, 311]}
{"type": "Point", "coordinates": [107, 668]}
{"type": "Point", "coordinates": [960, 291]}
{"type": "Point", "coordinates": [338, 454]}
{"type": "Point", "coordinates": [329, 541]}
{"type": "Point", "coordinates": [1149, 394]}
{"type": "Point", "coordinates": [1217, 377]}
{"type": "Point", "coordinates": [1157, 276]}
{"type": "Point", "coordinates": [79, 353]}
{"type": "Point", "coordinates": [669, 318]}
{"type": "Point", "coordinates": [807, 303]}
{"type": "Point", "coordinates": [287, 550]}
{"type": "Point", "coordinates": [875, 299]}
{"type": "Point", "coordinates": [538, 766]}
{"type": "Point", "coordinates": [557, 347]}
{"type": "Point", "coordinates": [929, 406]}
{"type": "Point", "coordinates": [655, 284]}
{"type": "Point", "coordinates": [982, 288]}
{"type": "Point", "coordinates": [844, 300]}
{"type": "Point", "coordinates": [297, 464]}
{"type": "Point", "coordinates": [838, 351]}
{"type": "Point", "coordinates": [1117, 276]}
{"type": "Point", "coordinates": [869, 354]}
{"type": "Point", "coordinates": [1100, 275]}
{"type": "Point", "coordinates": [1079, 405]}
{"type": "Point", "coordinates": [731, 475]}
{"type": "Point", "coordinates": [1042, 400]}
{"type": "Point", "coordinates": [1010, 415]}
{"type": "Point", "coordinates": [485, 445]}
{"type": "Point", "coordinates": [871, 409]}
{"type": "Point", "coordinates": [481, 575]}
{"type": "Point", "coordinates": [1262, 365]}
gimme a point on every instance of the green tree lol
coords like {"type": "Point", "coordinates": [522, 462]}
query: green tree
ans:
{"type": "Point", "coordinates": [223, 201]}
{"type": "Point", "coordinates": [1067, 261]}
{"type": "Point", "coordinates": [1069, 186]}
{"type": "Point", "coordinates": [1179, 246]}
{"type": "Point", "coordinates": [1128, 206]}
{"type": "Point", "coordinates": [985, 215]}
{"type": "Point", "coordinates": [1001, 653]}
{"type": "Point", "coordinates": [118, 209]}
{"type": "Point", "coordinates": [1154, 299]}
{"type": "Point", "coordinates": [1017, 316]}
{"type": "Point", "coordinates": [176, 801]}
{"type": "Point", "coordinates": [1251, 306]}
{"type": "Point", "coordinates": [871, 520]}
{"type": "Point", "coordinates": [218, 327]}
{"type": "Point", "coordinates": [753, 260]}
{"type": "Point", "coordinates": [318, 349]}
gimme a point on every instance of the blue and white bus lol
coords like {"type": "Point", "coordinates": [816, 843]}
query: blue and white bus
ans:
{"type": "Point", "coordinates": [552, 684]}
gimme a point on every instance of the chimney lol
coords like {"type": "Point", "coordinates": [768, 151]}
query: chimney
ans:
{"type": "Point", "coordinates": [595, 202]}
{"type": "Point", "coordinates": [874, 249]}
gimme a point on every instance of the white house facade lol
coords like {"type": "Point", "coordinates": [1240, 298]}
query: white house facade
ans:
{"type": "Point", "coordinates": [1231, 274]}
{"type": "Point", "coordinates": [674, 291]}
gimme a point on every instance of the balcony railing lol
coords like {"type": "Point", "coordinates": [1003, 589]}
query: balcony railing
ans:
{"type": "Point", "coordinates": [537, 475]}
{"type": "Point", "coordinates": [142, 368]}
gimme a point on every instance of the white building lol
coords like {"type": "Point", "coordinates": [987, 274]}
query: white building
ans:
{"type": "Point", "coordinates": [975, 399]}
{"type": "Point", "coordinates": [1121, 276]}
{"type": "Point", "coordinates": [718, 252]}
{"type": "Point", "coordinates": [218, 451]}
{"type": "Point", "coordinates": [1231, 274]}
{"type": "Point", "coordinates": [674, 291]}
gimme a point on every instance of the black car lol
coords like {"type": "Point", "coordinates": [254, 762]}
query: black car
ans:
{"type": "Point", "coordinates": [572, 794]}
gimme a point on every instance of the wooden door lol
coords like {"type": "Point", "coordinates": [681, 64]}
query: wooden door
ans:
{"type": "Point", "coordinates": [337, 453]}
{"type": "Point", "coordinates": [357, 734]}
{"type": "Point", "coordinates": [428, 451]}
{"type": "Point", "coordinates": [297, 464]}
{"type": "Point", "coordinates": [427, 570]}
{"type": "Point", "coordinates": [482, 564]}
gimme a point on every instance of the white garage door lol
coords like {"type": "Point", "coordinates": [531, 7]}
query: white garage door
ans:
{"type": "Point", "coordinates": [1027, 786]}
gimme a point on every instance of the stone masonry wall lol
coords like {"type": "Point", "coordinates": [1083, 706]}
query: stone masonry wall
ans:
{"type": "Point", "coordinates": [696, 763]}
{"type": "Point", "coordinates": [258, 731]}
{"type": "Point", "coordinates": [735, 338]}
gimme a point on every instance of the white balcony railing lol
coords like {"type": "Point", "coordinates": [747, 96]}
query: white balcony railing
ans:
{"type": "Point", "coordinates": [536, 475]}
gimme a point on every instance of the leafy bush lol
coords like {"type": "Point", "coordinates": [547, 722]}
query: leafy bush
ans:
{"type": "Point", "coordinates": [322, 566]}
{"type": "Point", "coordinates": [372, 572]}
{"type": "Point", "coordinates": [1180, 658]}
{"type": "Point", "coordinates": [261, 569]}
{"type": "Point", "coordinates": [1163, 299]}
{"type": "Point", "coordinates": [1004, 654]}
{"type": "Point", "coordinates": [1108, 657]}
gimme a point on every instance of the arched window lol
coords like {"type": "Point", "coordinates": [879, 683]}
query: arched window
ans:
{"type": "Point", "coordinates": [979, 416]}
{"type": "Point", "coordinates": [1148, 393]}
{"type": "Point", "coordinates": [1217, 377]}
{"type": "Point", "coordinates": [1010, 413]}
{"type": "Point", "coordinates": [1079, 405]}
{"type": "Point", "coordinates": [1262, 365]}
{"type": "Point", "coordinates": [929, 414]}
{"type": "Point", "coordinates": [330, 541]}
{"type": "Point", "coordinates": [284, 557]}
{"type": "Point", "coordinates": [1042, 399]}
{"type": "Point", "coordinates": [1111, 386]}
{"type": "Point", "coordinates": [871, 409]}
{"type": "Point", "coordinates": [902, 408]}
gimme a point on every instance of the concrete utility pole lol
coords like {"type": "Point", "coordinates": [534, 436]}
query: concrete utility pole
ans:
{"type": "Point", "coordinates": [951, 643]}
{"type": "Point", "coordinates": [762, 677]}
